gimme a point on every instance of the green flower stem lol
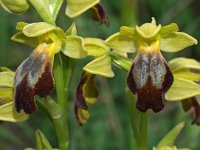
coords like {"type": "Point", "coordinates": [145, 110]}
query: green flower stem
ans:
{"type": "Point", "coordinates": [120, 61]}
{"type": "Point", "coordinates": [143, 140]}
{"type": "Point", "coordinates": [57, 116]}
{"type": "Point", "coordinates": [138, 122]}
{"type": "Point", "coordinates": [60, 83]}
{"type": "Point", "coordinates": [68, 67]}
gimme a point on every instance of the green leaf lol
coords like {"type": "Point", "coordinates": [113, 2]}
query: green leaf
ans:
{"type": "Point", "coordinates": [73, 47]}
{"type": "Point", "coordinates": [54, 7]}
{"type": "Point", "coordinates": [176, 41]}
{"type": "Point", "coordinates": [42, 142]}
{"type": "Point", "coordinates": [37, 29]}
{"type": "Point", "coordinates": [43, 9]}
{"type": "Point", "coordinates": [95, 47]}
{"type": "Point", "coordinates": [121, 43]}
{"type": "Point", "coordinates": [8, 113]}
{"type": "Point", "coordinates": [183, 63]}
{"type": "Point", "coordinates": [100, 66]}
{"type": "Point", "coordinates": [165, 30]}
{"type": "Point", "coordinates": [182, 89]}
{"type": "Point", "coordinates": [7, 79]}
{"type": "Point", "coordinates": [169, 139]}
{"type": "Point", "coordinates": [77, 7]}
{"type": "Point", "coordinates": [72, 30]}
{"type": "Point", "coordinates": [185, 74]}
{"type": "Point", "coordinates": [15, 6]}
{"type": "Point", "coordinates": [21, 38]}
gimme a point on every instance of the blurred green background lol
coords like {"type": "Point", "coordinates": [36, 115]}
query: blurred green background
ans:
{"type": "Point", "coordinates": [108, 127]}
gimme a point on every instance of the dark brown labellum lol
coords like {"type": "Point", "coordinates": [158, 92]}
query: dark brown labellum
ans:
{"type": "Point", "coordinates": [149, 78]}
{"type": "Point", "coordinates": [33, 77]}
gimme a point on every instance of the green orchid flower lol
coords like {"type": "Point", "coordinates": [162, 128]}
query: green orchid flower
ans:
{"type": "Point", "coordinates": [7, 110]}
{"type": "Point", "coordinates": [15, 6]}
{"type": "Point", "coordinates": [34, 75]}
{"type": "Point", "coordinates": [149, 77]}
{"type": "Point", "coordinates": [186, 85]}
{"type": "Point", "coordinates": [87, 93]}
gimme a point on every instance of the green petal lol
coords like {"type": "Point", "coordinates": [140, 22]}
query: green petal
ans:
{"type": "Point", "coordinates": [72, 30]}
{"type": "Point", "coordinates": [128, 31]}
{"type": "Point", "coordinates": [21, 38]}
{"type": "Point", "coordinates": [42, 142]}
{"type": "Point", "coordinates": [100, 66]}
{"type": "Point", "coordinates": [73, 47]}
{"type": "Point", "coordinates": [43, 9]}
{"type": "Point", "coordinates": [185, 74]}
{"type": "Point", "coordinates": [148, 30]}
{"type": "Point", "coordinates": [176, 41]}
{"type": "Point", "coordinates": [182, 89]}
{"type": "Point", "coordinates": [37, 29]}
{"type": "Point", "coordinates": [77, 7]}
{"type": "Point", "coordinates": [169, 139]}
{"type": "Point", "coordinates": [121, 43]}
{"type": "Point", "coordinates": [168, 29]}
{"type": "Point", "coordinates": [7, 79]}
{"type": "Point", "coordinates": [8, 113]}
{"type": "Point", "coordinates": [95, 47]}
{"type": "Point", "coordinates": [183, 63]}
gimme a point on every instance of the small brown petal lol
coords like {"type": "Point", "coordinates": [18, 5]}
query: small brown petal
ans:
{"type": "Point", "coordinates": [33, 77]}
{"type": "Point", "coordinates": [83, 97]}
{"type": "Point", "coordinates": [149, 78]}
{"type": "Point", "coordinates": [196, 107]}
{"type": "Point", "coordinates": [99, 14]}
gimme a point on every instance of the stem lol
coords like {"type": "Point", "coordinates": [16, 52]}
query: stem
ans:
{"type": "Point", "coordinates": [143, 140]}
{"type": "Point", "coordinates": [59, 80]}
{"type": "Point", "coordinates": [68, 67]}
{"type": "Point", "coordinates": [58, 118]}
{"type": "Point", "coordinates": [138, 122]}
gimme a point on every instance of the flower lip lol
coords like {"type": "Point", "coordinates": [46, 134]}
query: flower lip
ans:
{"type": "Point", "coordinates": [34, 77]}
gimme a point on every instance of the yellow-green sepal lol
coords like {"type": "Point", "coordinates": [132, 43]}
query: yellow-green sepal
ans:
{"type": "Point", "coordinates": [121, 43]}
{"type": "Point", "coordinates": [100, 66]}
{"type": "Point", "coordinates": [171, 136]}
{"type": "Point", "coordinates": [182, 89]}
{"type": "Point", "coordinates": [37, 29]}
{"type": "Point", "coordinates": [21, 38]}
{"type": "Point", "coordinates": [8, 113]}
{"type": "Point", "coordinates": [73, 47]}
{"type": "Point", "coordinates": [95, 47]}
{"type": "Point", "coordinates": [176, 41]}
{"type": "Point", "coordinates": [77, 7]}
{"type": "Point", "coordinates": [183, 63]}
{"type": "Point", "coordinates": [168, 29]}
{"type": "Point", "coordinates": [188, 75]}
{"type": "Point", "coordinates": [7, 79]}
{"type": "Point", "coordinates": [15, 6]}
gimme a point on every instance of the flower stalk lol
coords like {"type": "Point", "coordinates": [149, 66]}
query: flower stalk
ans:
{"type": "Point", "coordinates": [57, 116]}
